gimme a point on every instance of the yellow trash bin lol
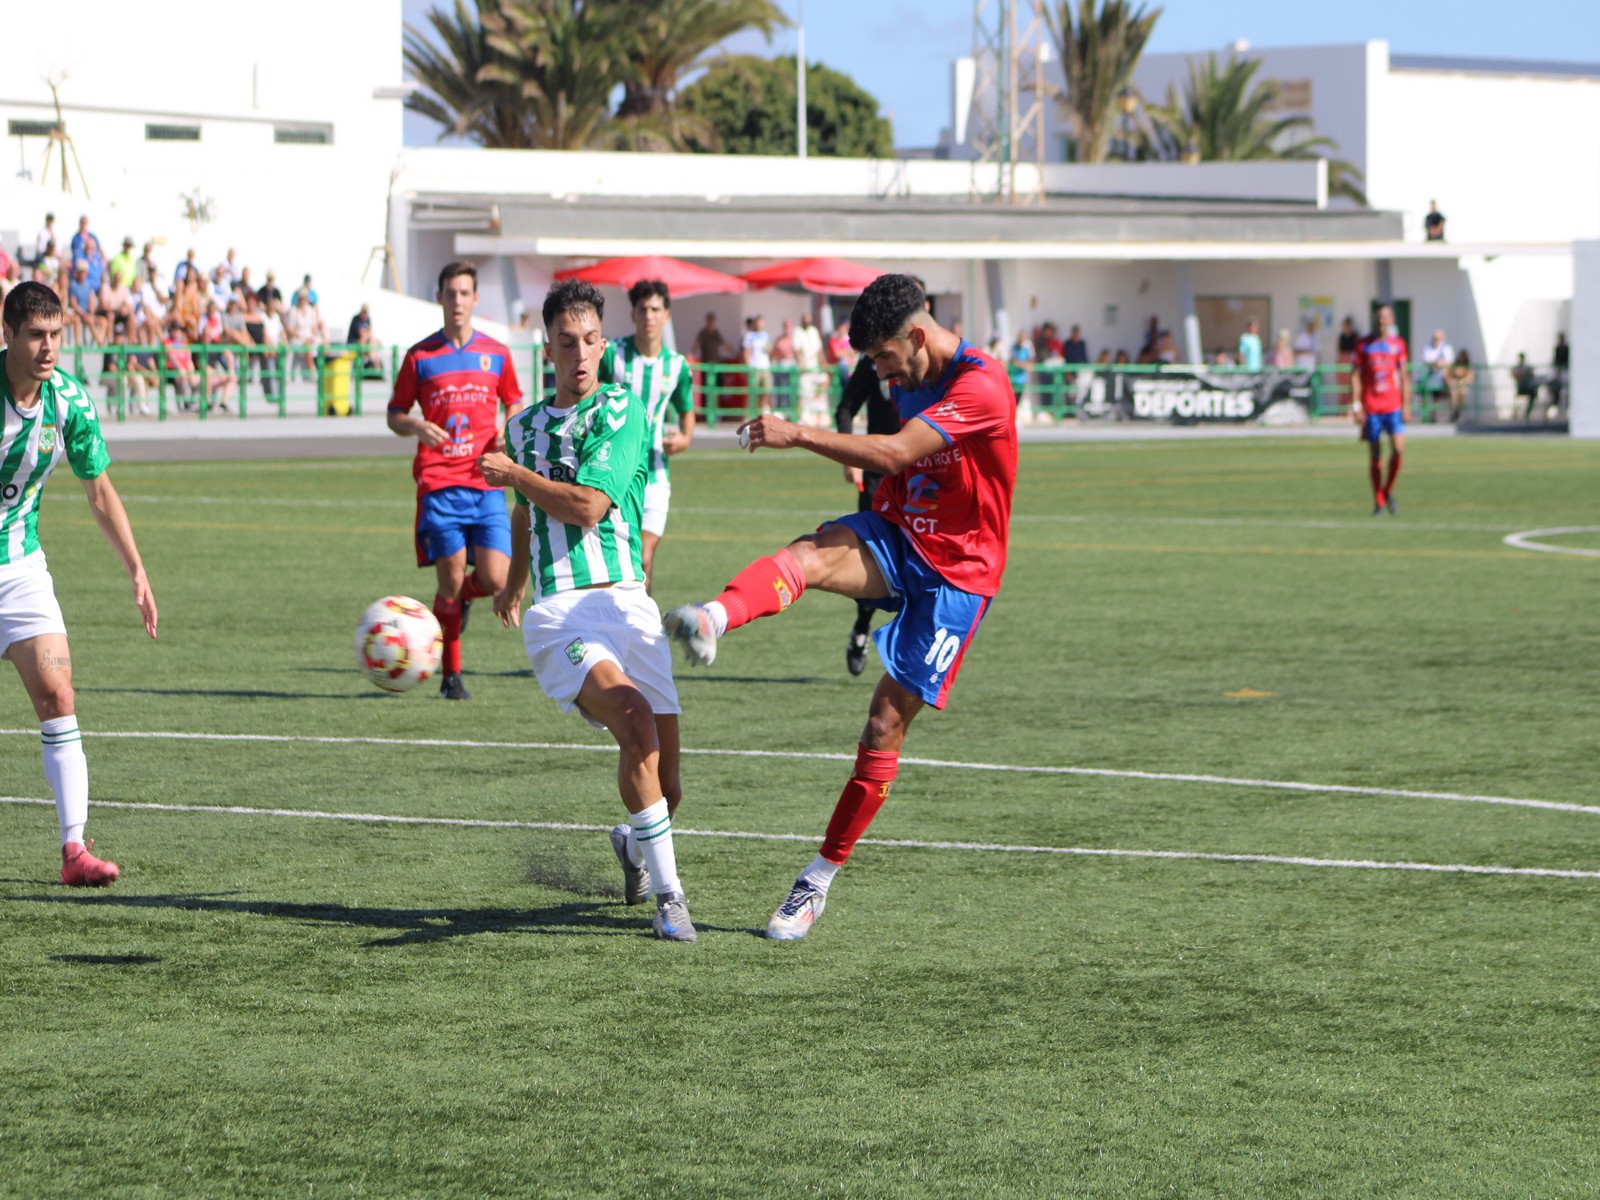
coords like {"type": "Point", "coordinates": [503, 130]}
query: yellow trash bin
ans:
{"type": "Point", "coordinates": [336, 385]}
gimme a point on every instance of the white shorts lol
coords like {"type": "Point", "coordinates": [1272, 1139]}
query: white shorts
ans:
{"type": "Point", "coordinates": [657, 497]}
{"type": "Point", "coordinates": [566, 634]}
{"type": "Point", "coordinates": [28, 606]}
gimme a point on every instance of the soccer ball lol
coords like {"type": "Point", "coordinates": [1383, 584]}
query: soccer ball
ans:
{"type": "Point", "coordinates": [398, 643]}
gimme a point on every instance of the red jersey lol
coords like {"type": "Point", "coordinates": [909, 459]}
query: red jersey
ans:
{"type": "Point", "coordinates": [955, 504]}
{"type": "Point", "coordinates": [459, 389]}
{"type": "Point", "coordinates": [1381, 359]}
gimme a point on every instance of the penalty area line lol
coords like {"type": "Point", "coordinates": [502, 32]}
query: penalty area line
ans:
{"type": "Point", "coordinates": [1282, 860]}
{"type": "Point", "coordinates": [1282, 785]}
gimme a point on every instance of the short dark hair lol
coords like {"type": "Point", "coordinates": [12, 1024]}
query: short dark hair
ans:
{"type": "Point", "coordinates": [645, 288]}
{"type": "Point", "coordinates": [28, 300]}
{"type": "Point", "coordinates": [883, 310]}
{"type": "Point", "coordinates": [572, 295]}
{"type": "Point", "coordinates": [451, 270]}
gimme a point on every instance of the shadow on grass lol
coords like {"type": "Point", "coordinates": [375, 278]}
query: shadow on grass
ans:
{"type": "Point", "coordinates": [719, 680]}
{"type": "Point", "coordinates": [106, 960]}
{"type": "Point", "coordinates": [523, 673]}
{"type": "Point", "coordinates": [412, 926]}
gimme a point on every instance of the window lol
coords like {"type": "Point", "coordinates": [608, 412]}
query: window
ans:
{"type": "Point", "coordinates": [302, 135]}
{"type": "Point", "coordinates": [30, 128]}
{"type": "Point", "coordinates": [172, 133]}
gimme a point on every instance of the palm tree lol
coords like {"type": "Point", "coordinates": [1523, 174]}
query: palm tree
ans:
{"type": "Point", "coordinates": [448, 65]}
{"type": "Point", "coordinates": [1099, 51]}
{"type": "Point", "coordinates": [565, 56]}
{"type": "Point", "coordinates": [672, 37]}
{"type": "Point", "coordinates": [1225, 116]}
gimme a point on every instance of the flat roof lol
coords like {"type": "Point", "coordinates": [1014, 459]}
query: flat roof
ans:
{"type": "Point", "coordinates": [1493, 66]}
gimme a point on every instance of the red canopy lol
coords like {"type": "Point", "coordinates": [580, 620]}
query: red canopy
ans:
{"type": "Point", "coordinates": [830, 276]}
{"type": "Point", "coordinates": [682, 278]}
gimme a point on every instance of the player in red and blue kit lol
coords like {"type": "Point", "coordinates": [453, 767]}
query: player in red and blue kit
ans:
{"type": "Point", "coordinates": [460, 380]}
{"type": "Point", "coordinates": [931, 549]}
{"type": "Point", "coordinates": [1380, 399]}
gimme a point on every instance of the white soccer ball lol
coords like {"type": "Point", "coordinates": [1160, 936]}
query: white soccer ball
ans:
{"type": "Point", "coordinates": [398, 643]}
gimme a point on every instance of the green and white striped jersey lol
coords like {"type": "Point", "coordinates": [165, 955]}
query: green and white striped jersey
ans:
{"type": "Point", "coordinates": [665, 384]}
{"type": "Point", "coordinates": [31, 444]}
{"type": "Point", "coordinates": [599, 442]}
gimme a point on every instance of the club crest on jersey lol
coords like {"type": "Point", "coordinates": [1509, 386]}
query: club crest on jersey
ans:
{"type": "Point", "coordinates": [485, 362]}
{"type": "Point", "coordinates": [575, 651]}
{"type": "Point", "coordinates": [47, 440]}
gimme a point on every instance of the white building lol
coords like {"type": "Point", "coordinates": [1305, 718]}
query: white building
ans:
{"type": "Point", "coordinates": [291, 127]}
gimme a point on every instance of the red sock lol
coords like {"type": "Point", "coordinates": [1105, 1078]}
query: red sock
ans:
{"type": "Point", "coordinates": [860, 801]}
{"type": "Point", "coordinates": [1375, 469]}
{"type": "Point", "coordinates": [473, 588]}
{"type": "Point", "coordinates": [767, 586]}
{"type": "Point", "coordinates": [1394, 470]}
{"type": "Point", "coordinates": [449, 614]}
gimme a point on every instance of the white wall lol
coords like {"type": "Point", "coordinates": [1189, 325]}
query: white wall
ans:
{"type": "Point", "coordinates": [1585, 410]}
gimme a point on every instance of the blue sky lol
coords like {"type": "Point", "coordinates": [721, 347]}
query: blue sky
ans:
{"type": "Point", "coordinates": [901, 51]}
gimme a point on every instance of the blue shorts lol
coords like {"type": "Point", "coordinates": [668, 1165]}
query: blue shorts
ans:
{"type": "Point", "coordinates": [934, 623]}
{"type": "Point", "coordinates": [1392, 423]}
{"type": "Point", "coordinates": [456, 517]}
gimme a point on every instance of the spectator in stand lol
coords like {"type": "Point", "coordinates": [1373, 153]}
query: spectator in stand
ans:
{"type": "Point", "coordinates": [47, 270]}
{"type": "Point", "coordinates": [131, 375]}
{"type": "Point", "coordinates": [1250, 346]}
{"type": "Point", "coordinates": [228, 267]}
{"type": "Point", "coordinates": [242, 284]}
{"type": "Point", "coordinates": [219, 359]}
{"type": "Point", "coordinates": [185, 269]}
{"type": "Point", "coordinates": [1121, 360]}
{"type": "Point", "coordinates": [304, 329]}
{"type": "Point", "coordinates": [266, 333]}
{"type": "Point", "coordinates": [310, 293]}
{"type": "Point", "coordinates": [1166, 348]}
{"type": "Point", "coordinates": [756, 353]}
{"type": "Point", "coordinates": [1437, 356]}
{"type": "Point", "coordinates": [86, 245]}
{"type": "Point", "coordinates": [189, 304]}
{"type": "Point", "coordinates": [180, 365]}
{"type": "Point", "coordinates": [150, 309]}
{"type": "Point", "coordinates": [1075, 349]}
{"type": "Point", "coordinates": [808, 357]}
{"type": "Point", "coordinates": [360, 334]}
{"type": "Point", "coordinates": [1018, 363]}
{"type": "Point", "coordinates": [1104, 360]}
{"type": "Point", "coordinates": [46, 236]}
{"type": "Point", "coordinates": [221, 288]}
{"type": "Point", "coordinates": [11, 277]}
{"type": "Point", "coordinates": [116, 301]}
{"type": "Point", "coordinates": [1349, 339]}
{"type": "Point", "coordinates": [82, 306]}
{"type": "Point", "coordinates": [1047, 344]}
{"type": "Point", "coordinates": [783, 346]}
{"type": "Point", "coordinates": [148, 271]}
{"type": "Point", "coordinates": [123, 267]}
{"type": "Point", "coordinates": [1527, 381]}
{"type": "Point", "coordinates": [1560, 358]}
{"type": "Point", "coordinates": [1457, 379]}
{"type": "Point", "coordinates": [839, 353]}
{"type": "Point", "coordinates": [271, 295]}
{"type": "Point", "coordinates": [709, 344]}
{"type": "Point", "coordinates": [1433, 223]}
{"type": "Point", "coordinates": [1305, 346]}
{"type": "Point", "coordinates": [1282, 353]}
{"type": "Point", "coordinates": [1152, 335]}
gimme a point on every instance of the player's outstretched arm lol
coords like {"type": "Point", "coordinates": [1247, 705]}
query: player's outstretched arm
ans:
{"type": "Point", "coordinates": [425, 432]}
{"type": "Point", "coordinates": [568, 503]}
{"type": "Point", "coordinates": [112, 518]}
{"type": "Point", "coordinates": [879, 453]}
{"type": "Point", "coordinates": [508, 600]}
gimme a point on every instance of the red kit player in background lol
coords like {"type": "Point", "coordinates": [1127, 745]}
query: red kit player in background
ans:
{"type": "Point", "coordinates": [1380, 400]}
{"type": "Point", "coordinates": [931, 549]}
{"type": "Point", "coordinates": [459, 379]}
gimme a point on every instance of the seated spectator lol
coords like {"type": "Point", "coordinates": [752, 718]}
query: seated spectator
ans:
{"type": "Point", "coordinates": [189, 305]}
{"type": "Point", "coordinates": [82, 306]}
{"type": "Point", "coordinates": [1075, 349]}
{"type": "Point", "coordinates": [126, 374]}
{"type": "Point", "coordinates": [310, 293]}
{"type": "Point", "coordinates": [1121, 360]}
{"type": "Point", "coordinates": [47, 270]}
{"type": "Point", "coordinates": [1528, 383]}
{"type": "Point", "coordinates": [360, 336]}
{"type": "Point", "coordinates": [116, 299]}
{"type": "Point", "coordinates": [1166, 348]}
{"type": "Point", "coordinates": [219, 360]}
{"type": "Point", "coordinates": [185, 269]}
{"type": "Point", "coordinates": [123, 268]}
{"type": "Point", "coordinates": [1282, 353]}
{"type": "Point", "coordinates": [304, 331]}
{"type": "Point", "coordinates": [150, 312]}
{"type": "Point", "coordinates": [1458, 378]}
{"type": "Point", "coordinates": [271, 295]}
{"type": "Point", "coordinates": [221, 290]}
{"type": "Point", "coordinates": [187, 379]}
{"type": "Point", "coordinates": [228, 268]}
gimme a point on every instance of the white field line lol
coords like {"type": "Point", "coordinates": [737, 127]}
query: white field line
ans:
{"type": "Point", "coordinates": [1362, 864]}
{"type": "Point", "coordinates": [1017, 518]}
{"type": "Point", "coordinates": [1527, 539]}
{"type": "Point", "coordinates": [1286, 785]}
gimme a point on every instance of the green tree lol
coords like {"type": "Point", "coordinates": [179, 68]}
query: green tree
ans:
{"type": "Point", "coordinates": [749, 102]}
{"type": "Point", "coordinates": [1099, 47]}
{"type": "Point", "coordinates": [1225, 115]}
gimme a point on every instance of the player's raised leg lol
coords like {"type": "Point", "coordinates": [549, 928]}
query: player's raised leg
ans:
{"type": "Point", "coordinates": [832, 560]}
{"type": "Point", "coordinates": [45, 665]}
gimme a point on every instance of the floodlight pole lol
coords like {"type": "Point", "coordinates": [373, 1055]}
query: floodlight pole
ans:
{"type": "Point", "coordinates": [800, 76]}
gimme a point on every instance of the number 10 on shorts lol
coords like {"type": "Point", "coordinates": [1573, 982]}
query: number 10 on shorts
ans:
{"type": "Point", "coordinates": [946, 646]}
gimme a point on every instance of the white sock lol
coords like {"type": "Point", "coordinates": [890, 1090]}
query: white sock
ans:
{"type": "Point", "coordinates": [653, 828]}
{"type": "Point", "coordinates": [820, 873]}
{"type": "Point", "coordinates": [66, 770]}
{"type": "Point", "coordinates": [719, 616]}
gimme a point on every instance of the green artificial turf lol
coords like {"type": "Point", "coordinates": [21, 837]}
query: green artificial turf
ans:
{"type": "Point", "coordinates": [273, 1005]}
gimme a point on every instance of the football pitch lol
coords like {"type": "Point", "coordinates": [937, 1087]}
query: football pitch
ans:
{"type": "Point", "coordinates": [1257, 854]}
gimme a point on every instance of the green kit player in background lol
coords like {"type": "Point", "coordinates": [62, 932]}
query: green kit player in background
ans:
{"type": "Point", "coordinates": [663, 380]}
{"type": "Point", "coordinates": [47, 416]}
{"type": "Point", "coordinates": [578, 465]}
